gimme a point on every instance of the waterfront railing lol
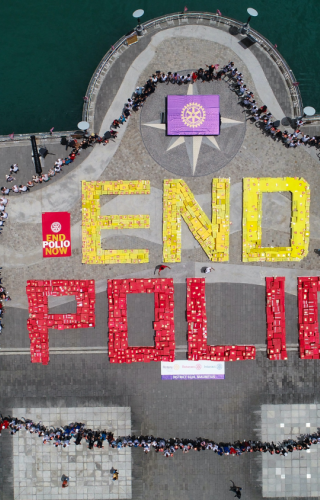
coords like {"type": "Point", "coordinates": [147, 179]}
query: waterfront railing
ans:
{"type": "Point", "coordinates": [38, 136]}
{"type": "Point", "coordinates": [169, 21]}
{"type": "Point", "coordinates": [178, 19]}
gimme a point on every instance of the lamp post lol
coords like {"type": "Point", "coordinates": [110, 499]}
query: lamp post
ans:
{"type": "Point", "coordinates": [35, 156]}
{"type": "Point", "coordinates": [137, 14]}
{"type": "Point", "coordinates": [246, 27]}
{"type": "Point", "coordinates": [84, 126]}
{"type": "Point", "coordinates": [309, 111]}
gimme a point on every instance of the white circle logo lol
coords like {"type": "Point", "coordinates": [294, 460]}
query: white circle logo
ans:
{"type": "Point", "coordinates": [55, 227]}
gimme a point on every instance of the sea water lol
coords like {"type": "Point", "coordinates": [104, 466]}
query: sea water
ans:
{"type": "Point", "coordinates": [49, 50]}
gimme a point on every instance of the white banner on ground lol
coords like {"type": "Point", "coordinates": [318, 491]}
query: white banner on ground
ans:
{"type": "Point", "coordinates": [192, 370]}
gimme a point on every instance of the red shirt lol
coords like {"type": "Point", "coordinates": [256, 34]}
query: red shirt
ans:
{"type": "Point", "coordinates": [161, 268]}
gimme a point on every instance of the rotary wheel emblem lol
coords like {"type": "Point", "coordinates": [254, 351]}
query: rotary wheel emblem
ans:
{"type": "Point", "coordinates": [55, 227]}
{"type": "Point", "coordinates": [193, 115]}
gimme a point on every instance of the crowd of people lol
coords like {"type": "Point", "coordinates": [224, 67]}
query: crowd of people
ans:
{"type": "Point", "coordinates": [235, 79]}
{"type": "Point", "coordinates": [3, 298]}
{"type": "Point", "coordinates": [262, 116]}
{"type": "Point", "coordinates": [212, 72]}
{"type": "Point", "coordinates": [3, 293]}
{"type": "Point", "coordinates": [77, 433]}
{"type": "Point", "coordinates": [77, 147]}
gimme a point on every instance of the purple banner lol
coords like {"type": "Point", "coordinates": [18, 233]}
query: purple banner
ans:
{"type": "Point", "coordinates": [193, 115]}
{"type": "Point", "coordinates": [191, 377]}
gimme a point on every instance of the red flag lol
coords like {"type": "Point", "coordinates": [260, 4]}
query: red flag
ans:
{"type": "Point", "coordinates": [185, 9]}
{"type": "Point", "coordinates": [218, 12]}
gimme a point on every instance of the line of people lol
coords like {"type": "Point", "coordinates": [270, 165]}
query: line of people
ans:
{"type": "Point", "coordinates": [77, 147]}
{"type": "Point", "coordinates": [229, 73]}
{"type": "Point", "coordinates": [4, 296]}
{"type": "Point", "coordinates": [57, 168]}
{"type": "Point", "coordinates": [263, 118]}
{"type": "Point", "coordinates": [9, 178]}
{"type": "Point", "coordinates": [75, 433]}
{"type": "Point", "coordinates": [235, 79]}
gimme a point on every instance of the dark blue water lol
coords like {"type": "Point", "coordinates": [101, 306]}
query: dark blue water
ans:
{"type": "Point", "coordinates": [49, 50]}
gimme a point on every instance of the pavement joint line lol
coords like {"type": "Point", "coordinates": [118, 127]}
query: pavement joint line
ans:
{"type": "Point", "coordinates": [51, 197]}
{"type": "Point", "coordinates": [251, 393]}
{"type": "Point", "coordinates": [104, 350]}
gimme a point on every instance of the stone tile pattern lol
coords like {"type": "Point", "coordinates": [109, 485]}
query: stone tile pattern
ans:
{"type": "Point", "coordinates": [235, 312]}
{"type": "Point", "coordinates": [297, 474]}
{"type": "Point", "coordinates": [21, 153]}
{"type": "Point", "coordinates": [116, 73]}
{"type": "Point", "coordinates": [227, 411]}
{"type": "Point", "coordinates": [210, 159]}
{"type": "Point", "coordinates": [258, 156]}
{"type": "Point", "coordinates": [275, 79]}
{"type": "Point", "coordinates": [38, 468]}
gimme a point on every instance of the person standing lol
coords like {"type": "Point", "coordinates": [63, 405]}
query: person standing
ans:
{"type": "Point", "coordinates": [236, 490]}
{"type": "Point", "coordinates": [65, 481]}
{"type": "Point", "coordinates": [208, 270]}
{"type": "Point", "coordinates": [14, 168]}
{"type": "Point", "coordinates": [115, 474]}
{"type": "Point", "coordinates": [161, 268]}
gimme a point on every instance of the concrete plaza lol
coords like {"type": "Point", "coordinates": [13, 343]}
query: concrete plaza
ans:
{"type": "Point", "coordinates": [38, 468]}
{"type": "Point", "coordinates": [79, 381]}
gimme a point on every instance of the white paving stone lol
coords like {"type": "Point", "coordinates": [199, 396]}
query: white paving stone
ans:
{"type": "Point", "coordinates": [38, 468]}
{"type": "Point", "coordinates": [295, 475]}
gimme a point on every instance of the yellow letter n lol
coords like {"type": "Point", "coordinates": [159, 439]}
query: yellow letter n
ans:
{"type": "Point", "coordinates": [93, 222]}
{"type": "Point", "coordinates": [213, 236]}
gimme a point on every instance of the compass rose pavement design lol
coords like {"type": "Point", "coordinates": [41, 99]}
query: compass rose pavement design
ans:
{"type": "Point", "coordinates": [194, 155]}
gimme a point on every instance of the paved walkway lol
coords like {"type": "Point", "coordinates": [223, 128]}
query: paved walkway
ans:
{"type": "Point", "coordinates": [38, 468]}
{"type": "Point", "coordinates": [296, 475]}
{"type": "Point", "coordinates": [20, 152]}
{"type": "Point", "coordinates": [200, 34]}
{"type": "Point", "coordinates": [235, 292]}
{"type": "Point", "coordinates": [128, 158]}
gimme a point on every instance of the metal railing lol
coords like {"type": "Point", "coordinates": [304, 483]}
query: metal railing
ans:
{"type": "Point", "coordinates": [311, 119]}
{"type": "Point", "coordinates": [105, 61]}
{"type": "Point", "coordinates": [167, 21]}
{"type": "Point", "coordinates": [178, 19]}
{"type": "Point", "coordinates": [38, 135]}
